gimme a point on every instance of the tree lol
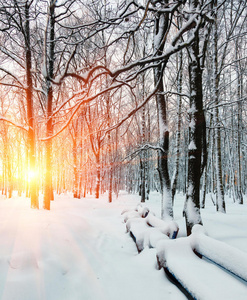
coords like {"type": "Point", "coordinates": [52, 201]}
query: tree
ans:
{"type": "Point", "coordinates": [15, 19]}
{"type": "Point", "coordinates": [178, 131]}
{"type": "Point", "coordinates": [197, 128]}
{"type": "Point", "coordinates": [49, 75]}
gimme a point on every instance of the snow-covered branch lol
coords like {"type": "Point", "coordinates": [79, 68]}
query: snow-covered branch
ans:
{"type": "Point", "coordinates": [143, 148]}
{"type": "Point", "coordinates": [13, 123]}
{"type": "Point", "coordinates": [7, 72]}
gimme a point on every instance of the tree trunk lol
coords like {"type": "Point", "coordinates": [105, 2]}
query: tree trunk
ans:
{"type": "Point", "coordinates": [143, 153]}
{"type": "Point", "coordinates": [97, 188]}
{"type": "Point", "coordinates": [197, 130]}
{"type": "Point", "coordinates": [110, 184]}
{"type": "Point", "coordinates": [220, 201]}
{"type": "Point", "coordinates": [204, 188]}
{"type": "Point", "coordinates": [161, 26]}
{"type": "Point", "coordinates": [178, 133]}
{"type": "Point", "coordinates": [109, 147]}
{"type": "Point", "coordinates": [30, 115]}
{"type": "Point", "coordinates": [75, 169]}
{"type": "Point", "coordinates": [239, 129]}
{"type": "Point", "coordinates": [10, 176]}
{"type": "Point", "coordinates": [48, 194]}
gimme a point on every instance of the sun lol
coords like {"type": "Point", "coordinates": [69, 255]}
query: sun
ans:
{"type": "Point", "coordinates": [31, 174]}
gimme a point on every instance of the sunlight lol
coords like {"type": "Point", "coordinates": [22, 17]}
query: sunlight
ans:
{"type": "Point", "coordinates": [31, 174]}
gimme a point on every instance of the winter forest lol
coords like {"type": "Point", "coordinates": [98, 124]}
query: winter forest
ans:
{"type": "Point", "coordinates": [143, 97]}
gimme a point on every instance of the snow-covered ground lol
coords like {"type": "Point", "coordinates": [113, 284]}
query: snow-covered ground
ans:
{"type": "Point", "coordinates": [80, 249]}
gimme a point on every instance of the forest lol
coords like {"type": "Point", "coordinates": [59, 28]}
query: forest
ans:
{"type": "Point", "coordinates": [108, 95]}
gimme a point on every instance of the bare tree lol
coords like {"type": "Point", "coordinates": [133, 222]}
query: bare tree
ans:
{"type": "Point", "coordinates": [197, 152]}
{"type": "Point", "coordinates": [15, 19]}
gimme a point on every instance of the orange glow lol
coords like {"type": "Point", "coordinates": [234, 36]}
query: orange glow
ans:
{"type": "Point", "coordinates": [31, 175]}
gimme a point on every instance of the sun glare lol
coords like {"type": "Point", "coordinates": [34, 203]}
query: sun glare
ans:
{"type": "Point", "coordinates": [31, 175]}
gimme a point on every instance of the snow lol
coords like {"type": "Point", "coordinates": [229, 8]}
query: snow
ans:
{"type": "Point", "coordinates": [146, 229]}
{"type": "Point", "coordinates": [163, 127]}
{"type": "Point", "coordinates": [80, 249]}
{"type": "Point", "coordinates": [192, 109]}
{"type": "Point", "coordinates": [192, 146]}
{"type": "Point", "coordinates": [144, 235]}
{"type": "Point", "coordinates": [224, 255]}
{"type": "Point", "coordinates": [192, 212]}
{"type": "Point", "coordinates": [205, 281]}
{"type": "Point", "coordinates": [169, 228]}
{"type": "Point", "coordinates": [178, 257]}
{"type": "Point", "coordinates": [131, 214]}
{"type": "Point", "coordinates": [43, 68]}
{"type": "Point", "coordinates": [192, 124]}
{"type": "Point", "coordinates": [166, 204]}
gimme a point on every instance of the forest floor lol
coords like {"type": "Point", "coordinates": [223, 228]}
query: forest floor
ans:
{"type": "Point", "coordinates": [80, 249]}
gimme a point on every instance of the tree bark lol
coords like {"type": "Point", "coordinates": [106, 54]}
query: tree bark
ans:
{"type": "Point", "coordinates": [239, 128]}
{"type": "Point", "coordinates": [97, 188]}
{"type": "Point", "coordinates": [30, 114]}
{"type": "Point", "coordinates": [161, 26]}
{"type": "Point", "coordinates": [48, 193]}
{"type": "Point", "coordinates": [178, 133]}
{"type": "Point", "coordinates": [220, 201]}
{"type": "Point", "coordinates": [197, 132]}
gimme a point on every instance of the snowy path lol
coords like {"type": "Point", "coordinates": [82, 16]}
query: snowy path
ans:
{"type": "Point", "coordinates": [78, 250]}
